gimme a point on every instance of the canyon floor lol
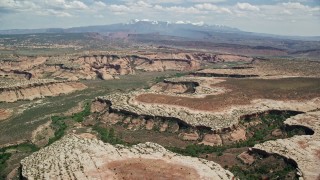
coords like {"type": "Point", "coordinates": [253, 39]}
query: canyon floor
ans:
{"type": "Point", "coordinates": [159, 114]}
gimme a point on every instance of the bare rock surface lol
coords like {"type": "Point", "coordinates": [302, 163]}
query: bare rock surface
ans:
{"type": "Point", "coordinates": [251, 72]}
{"type": "Point", "coordinates": [149, 124]}
{"type": "Point", "coordinates": [232, 58]}
{"type": "Point", "coordinates": [212, 140]}
{"type": "Point", "coordinates": [276, 133]}
{"type": "Point", "coordinates": [203, 86]}
{"type": "Point", "coordinates": [216, 120]}
{"type": "Point", "coordinates": [258, 70]}
{"type": "Point", "coordinates": [246, 158]}
{"type": "Point", "coordinates": [111, 118]}
{"type": "Point", "coordinates": [194, 136]}
{"type": "Point", "coordinates": [304, 150]}
{"type": "Point", "coordinates": [80, 157]}
{"type": "Point", "coordinates": [170, 88]}
{"type": "Point", "coordinates": [97, 106]}
{"type": "Point", "coordinates": [107, 65]}
{"type": "Point", "coordinates": [238, 135]}
{"type": "Point", "coordinates": [102, 65]}
{"type": "Point", "coordinates": [30, 90]}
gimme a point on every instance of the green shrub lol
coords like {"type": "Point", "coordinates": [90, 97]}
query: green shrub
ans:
{"type": "Point", "coordinates": [108, 135]}
{"type": "Point", "coordinates": [60, 126]}
{"type": "Point", "coordinates": [79, 117]}
{"type": "Point", "coordinates": [3, 164]}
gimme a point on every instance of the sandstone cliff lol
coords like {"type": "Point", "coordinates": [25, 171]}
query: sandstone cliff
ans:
{"type": "Point", "coordinates": [304, 150]}
{"type": "Point", "coordinates": [30, 90]}
{"type": "Point", "coordinates": [107, 65]}
{"type": "Point", "coordinates": [152, 102]}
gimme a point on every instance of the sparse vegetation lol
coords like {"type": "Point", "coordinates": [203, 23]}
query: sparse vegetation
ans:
{"type": "Point", "coordinates": [60, 126]}
{"type": "Point", "coordinates": [7, 152]}
{"type": "Point", "coordinates": [262, 133]}
{"type": "Point", "coordinates": [160, 79]}
{"type": "Point", "coordinates": [266, 170]}
{"type": "Point", "coordinates": [3, 163]}
{"type": "Point", "coordinates": [58, 122]}
{"type": "Point", "coordinates": [79, 117]}
{"type": "Point", "coordinates": [108, 135]}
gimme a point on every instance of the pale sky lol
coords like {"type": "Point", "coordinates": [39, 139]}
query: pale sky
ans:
{"type": "Point", "coordinates": [283, 17]}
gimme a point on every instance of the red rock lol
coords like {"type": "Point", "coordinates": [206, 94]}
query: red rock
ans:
{"type": "Point", "coordinates": [212, 140]}
{"type": "Point", "coordinates": [246, 158]}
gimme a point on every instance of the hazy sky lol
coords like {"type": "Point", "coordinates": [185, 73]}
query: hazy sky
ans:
{"type": "Point", "coordinates": [285, 17]}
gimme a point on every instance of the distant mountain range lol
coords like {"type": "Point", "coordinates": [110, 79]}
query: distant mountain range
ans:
{"type": "Point", "coordinates": [187, 34]}
{"type": "Point", "coordinates": [199, 31]}
{"type": "Point", "coordinates": [134, 26]}
{"type": "Point", "coordinates": [179, 28]}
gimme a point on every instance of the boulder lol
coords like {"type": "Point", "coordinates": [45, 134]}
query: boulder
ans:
{"type": "Point", "coordinates": [164, 126]}
{"type": "Point", "coordinates": [238, 134]}
{"type": "Point", "coordinates": [97, 106]}
{"type": "Point", "coordinates": [190, 136]}
{"type": "Point", "coordinates": [246, 158]}
{"type": "Point", "coordinates": [277, 133]}
{"type": "Point", "coordinates": [211, 140]}
{"type": "Point", "coordinates": [149, 124]}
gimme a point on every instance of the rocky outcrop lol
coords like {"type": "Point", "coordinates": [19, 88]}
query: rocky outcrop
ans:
{"type": "Point", "coordinates": [303, 150]}
{"type": "Point", "coordinates": [107, 65]}
{"type": "Point", "coordinates": [98, 106]}
{"type": "Point", "coordinates": [40, 137]}
{"type": "Point", "coordinates": [194, 136]}
{"type": "Point", "coordinates": [216, 120]}
{"type": "Point", "coordinates": [246, 158]}
{"type": "Point", "coordinates": [212, 140]}
{"type": "Point", "coordinates": [172, 88]}
{"type": "Point", "coordinates": [168, 64]}
{"type": "Point", "coordinates": [30, 90]}
{"type": "Point", "coordinates": [233, 73]}
{"type": "Point", "coordinates": [232, 58]}
{"type": "Point", "coordinates": [80, 157]}
{"type": "Point", "coordinates": [189, 87]}
{"type": "Point", "coordinates": [15, 74]}
{"type": "Point", "coordinates": [22, 63]}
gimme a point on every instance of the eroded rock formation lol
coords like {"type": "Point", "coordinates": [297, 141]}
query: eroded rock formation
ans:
{"type": "Point", "coordinates": [214, 118]}
{"type": "Point", "coordinates": [30, 90]}
{"type": "Point", "coordinates": [303, 150]}
{"type": "Point", "coordinates": [80, 157]}
{"type": "Point", "coordinates": [189, 87]}
{"type": "Point", "coordinates": [107, 65]}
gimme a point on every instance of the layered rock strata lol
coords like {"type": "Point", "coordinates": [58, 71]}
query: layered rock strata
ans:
{"type": "Point", "coordinates": [30, 90]}
{"type": "Point", "coordinates": [303, 150]}
{"type": "Point", "coordinates": [216, 120]}
{"type": "Point", "coordinates": [197, 86]}
{"type": "Point", "coordinates": [80, 157]}
{"type": "Point", "coordinates": [237, 73]}
{"type": "Point", "coordinates": [107, 65]}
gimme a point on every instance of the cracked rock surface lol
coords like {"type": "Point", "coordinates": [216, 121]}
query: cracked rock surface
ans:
{"type": "Point", "coordinates": [84, 157]}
